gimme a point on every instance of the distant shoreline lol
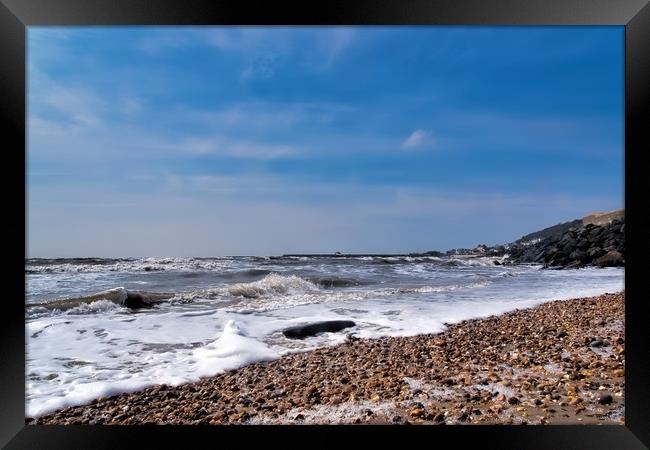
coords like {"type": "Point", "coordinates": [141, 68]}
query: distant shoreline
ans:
{"type": "Point", "coordinates": [356, 255]}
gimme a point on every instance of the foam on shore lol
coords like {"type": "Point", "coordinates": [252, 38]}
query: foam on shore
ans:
{"type": "Point", "coordinates": [98, 347]}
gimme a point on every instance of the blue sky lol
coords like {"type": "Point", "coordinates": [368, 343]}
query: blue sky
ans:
{"type": "Point", "coordinates": [207, 141]}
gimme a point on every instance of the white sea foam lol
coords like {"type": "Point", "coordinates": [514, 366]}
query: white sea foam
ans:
{"type": "Point", "coordinates": [100, 348]}
{"type": "Point", "coordinates": [233, 349]}
{"type": "Point", "coordinates": [101, 360]}
{"type": "Point", "coordinates": [96, 307]}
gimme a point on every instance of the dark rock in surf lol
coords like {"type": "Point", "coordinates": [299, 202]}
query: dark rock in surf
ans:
{"type": "Point", "coordinates": [330, 326]}
{"type": "Point", "coordinates": [137, 300]}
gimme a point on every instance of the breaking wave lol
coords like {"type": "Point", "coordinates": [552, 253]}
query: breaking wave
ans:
{"type": "Point", "coordinates": [272, 284]}
{"type": "Point", "coordinates": [335, 282]}
{"type": "Point", "coordinates": [93, 265]}
{"type": "Point", "coordinates": [274, 291]}
{"type": "Point", "coordinates": [117, 296]}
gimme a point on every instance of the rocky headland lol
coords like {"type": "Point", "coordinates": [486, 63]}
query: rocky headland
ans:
{"type": "Point", "coordinates": [594, 243]}
{"type": "Point", "coordinates": [595, 240]}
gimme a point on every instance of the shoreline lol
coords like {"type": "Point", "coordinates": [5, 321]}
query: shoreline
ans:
{"type": "Point", "coordinates": [561, 362]}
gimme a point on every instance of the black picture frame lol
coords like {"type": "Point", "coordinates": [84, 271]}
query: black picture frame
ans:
{"type": "Point", "coordinates": [16, 15]}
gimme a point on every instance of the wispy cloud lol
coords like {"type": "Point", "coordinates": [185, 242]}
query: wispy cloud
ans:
{"type": "Point", "coordinates": [229, 147]}
{"type": "Point", "coordinates": [249, 40]}
{"type": "Point", "coordinates": [268, 116]}
{"type": "Point", "coordinates": [262, 50]}
{"type": "Point", "coordinates": [131, 106]}
{"type": "Point", "coordinates": [417, 139]}
{"type": "Point", "coordinates": [76, 104]}
{"type": "Point", "coordinates": [263, 67]}
{"type": "Point", "coordinates": [160, 42]}
{"type": "Point", "coordinates": [334, 43]}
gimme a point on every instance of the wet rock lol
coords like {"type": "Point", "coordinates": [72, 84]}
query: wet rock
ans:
{"type": "Point", "coordinates": [330, 326]}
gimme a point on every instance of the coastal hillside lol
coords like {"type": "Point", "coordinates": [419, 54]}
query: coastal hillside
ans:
{"type": "Point", "coordinates": [550, 232]}
{"type": "Point", "coordinates": [556, 231]}
{"type": "Point", "coordinates": [603, 218]}
{"type": "Point", "coordinates": [596, 240]}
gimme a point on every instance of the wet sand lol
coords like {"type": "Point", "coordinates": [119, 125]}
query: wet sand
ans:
{"type": "Point", "coordinates": [562, 362]}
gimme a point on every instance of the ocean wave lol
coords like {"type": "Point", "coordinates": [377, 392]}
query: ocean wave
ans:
{"type": "Point", "coordinates": [227, 265]}
{"type": "Point", "coordinates": [92, 307]}
{"type": "Point", "coordinates": [117, 296]}
{"type": "Point", "coordinates": [335, 282]}
{"type": "Point", "coordinates": [506, 274]}
{"type": "Point", "coordinates": [302, 298]}
{"type": "Point", "coordinates": [272, 284]}
{"type": "Point", "coordinates": [276, 291]}
{"type": "Point", "coordinates": [472, 261]}
{"type": "Point", "coordinates": [433, 289]}
{"type": "Point", "coordinates": [91, 265]}
{"type": "Point", "coordinates": [273, 291]}
{"type": "Point", "coordinates": [95, 307]}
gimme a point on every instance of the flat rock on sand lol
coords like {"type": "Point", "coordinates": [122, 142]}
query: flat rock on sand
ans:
{"type": "Point", "coordinates": [534, 366]}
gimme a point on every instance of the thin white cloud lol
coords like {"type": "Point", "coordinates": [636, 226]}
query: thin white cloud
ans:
{"type": "Point", "coordinates": [160, 42]}
{"type": "Point", "coordinates": [76, 104]}
{"type": "Point", "coordinates": [250, 40]}
{"type": "Point", "coordinates": [131, 106]}
{"type": "Point", "coordinates": [219, 146]}
{"type": "Point", "coordinates": [417, 139]}
{"type": "Point", "coordinates": [267, 116]}
{"type": "Point", "coordinates": [334, 43]}
{"type": "Point", "coordinates": [263, 49]}
{"type": "Point", "coordinates": [261, 68]}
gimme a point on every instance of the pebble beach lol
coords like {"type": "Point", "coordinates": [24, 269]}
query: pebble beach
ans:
{"type": "Point", "coordinates": [562, 362]}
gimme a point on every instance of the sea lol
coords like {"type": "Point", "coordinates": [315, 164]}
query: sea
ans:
{"type": "Point", "coordinates": [217, 314]}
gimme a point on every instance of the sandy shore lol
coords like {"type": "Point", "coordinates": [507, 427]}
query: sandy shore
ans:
{"type": "Point", "coordinates": [559, 363]}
